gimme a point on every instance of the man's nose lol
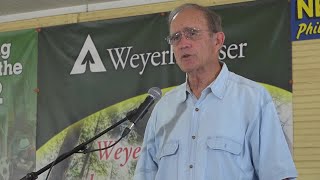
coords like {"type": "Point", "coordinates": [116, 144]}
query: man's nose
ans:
{"type": "Point", "coordinates": [185, 42]}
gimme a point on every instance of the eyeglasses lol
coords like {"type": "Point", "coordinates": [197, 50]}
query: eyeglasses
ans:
{"type": "Point", "coordinates": [189, 33]}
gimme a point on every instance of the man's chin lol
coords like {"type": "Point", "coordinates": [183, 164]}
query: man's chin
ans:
{"type": "Point", "coordinates": [187, 69]}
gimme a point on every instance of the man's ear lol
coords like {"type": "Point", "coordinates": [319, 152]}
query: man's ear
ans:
{"type": "Point", "coordinates": [220, 39]}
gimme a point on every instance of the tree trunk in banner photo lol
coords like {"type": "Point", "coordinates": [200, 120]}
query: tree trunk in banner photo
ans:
{"type": "Point", "coordinates": [70, 141]}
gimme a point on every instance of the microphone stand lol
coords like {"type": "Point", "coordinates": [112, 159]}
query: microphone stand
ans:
{"type": "Point", "coordinates": [79, 148]}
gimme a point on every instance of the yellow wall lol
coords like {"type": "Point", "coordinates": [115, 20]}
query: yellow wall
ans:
{"type": "Point", "coordinates": [306, 77]}
{"type": "Point", "coordinates": [306, 108]}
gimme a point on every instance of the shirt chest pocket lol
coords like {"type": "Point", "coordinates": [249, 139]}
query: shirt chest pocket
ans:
{"type": "Point", "coordinates": [169, 149]}
{"type": "Point", "coordinates": [224, 144]}
{"type": "Point", "coordinates": [168, 159]}
{"type": "Point", "coordinates": [223, 159]}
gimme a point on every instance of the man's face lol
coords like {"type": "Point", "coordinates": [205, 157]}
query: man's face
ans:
{"type": "Point", "coordinates": [197, 53]}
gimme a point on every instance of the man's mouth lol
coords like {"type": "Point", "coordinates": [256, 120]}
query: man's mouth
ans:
{"type": "Point", "coordinates": [185, 56]}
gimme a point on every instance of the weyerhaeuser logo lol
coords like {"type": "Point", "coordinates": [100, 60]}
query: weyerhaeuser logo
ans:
{"type": "Point", "coordinates": [125, 57]}
{"type": "Point", "coordinates": [305, 19]}
{"type": "Point", "coordinates": [95, 64]}
{"type": "Point", "coordinates": [120, 57]}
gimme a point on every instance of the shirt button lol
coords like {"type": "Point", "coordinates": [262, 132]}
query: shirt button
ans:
{"type": "Point", "coordinates": [193, 137]}
{"type": "Point", "coordinates": [190, 166]}
{"type": "Point", "coordinates": [197, 109]}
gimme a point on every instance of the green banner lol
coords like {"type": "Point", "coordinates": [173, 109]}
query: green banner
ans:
{"type": "Point", "coordinates": [92, 74]}
{"type": "Point", "coordinates": [18, 73]}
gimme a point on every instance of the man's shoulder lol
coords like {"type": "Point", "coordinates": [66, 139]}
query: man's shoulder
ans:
{"type": "Point", "coordinates": [244, 82]}
{"type": "Point", "coordinates": [175, 95]}
{"type": "Point", "coordinates": [248, 87]}
{"type": "Point", "coordinates": [176, 90]}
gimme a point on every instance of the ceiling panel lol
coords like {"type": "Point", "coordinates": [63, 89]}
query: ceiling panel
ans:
{"type": "Point", "coordinates": [8, 7]}
{"type": "Point", "coordinates": [14, 10]}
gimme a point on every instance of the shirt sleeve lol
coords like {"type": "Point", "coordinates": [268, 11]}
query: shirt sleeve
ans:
{"type": "Point", "coordinates": [147, 167]}
{"type": "Point", "coordinates": [270, 152]}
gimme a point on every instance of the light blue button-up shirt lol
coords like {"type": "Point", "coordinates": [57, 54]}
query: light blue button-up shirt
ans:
{"type": "Point", "coordinates": [232, 132]}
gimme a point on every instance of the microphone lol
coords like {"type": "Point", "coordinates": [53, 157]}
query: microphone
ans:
{"type": "Point", "coordinates": [154, 94]}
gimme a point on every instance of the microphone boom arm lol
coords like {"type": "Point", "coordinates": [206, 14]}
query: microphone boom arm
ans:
{"type": "Point", "coordinates": [79, 148]}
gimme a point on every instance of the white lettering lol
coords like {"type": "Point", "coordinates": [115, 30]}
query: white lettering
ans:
{"type": "Point", "coordinates": [241, 49]}
{"type": "Point", "coordinates": [171, 56]}
{"type": "Point", "coordinates": [133, 58]}
{"type": "Point", "coordinates": [5, 50]}
{"type": "Point", "coordinates": [222, 52]}
{"type": "Point", "coordinates": [119, 55]}
{"type": "Point", "coordinates": [231, 48]}
{"type": "Point", "coordinates": [6, 69]}
{"type": "Point", "coordinates": [164, 53]}
{"type": "Point", "coordinates": [232, 51]}
{"type": "Point", "coordinates": [17, 68]}
{"type": "Point", "coordinates": [155, 55]}
{"type": "Point", "coordinates": [144, 61]}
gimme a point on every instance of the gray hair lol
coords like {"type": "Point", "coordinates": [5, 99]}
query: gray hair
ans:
{"type": "Point", "coordinates": [213, 19]}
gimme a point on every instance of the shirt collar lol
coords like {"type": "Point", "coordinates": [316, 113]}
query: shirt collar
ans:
{"type": "Point", "coordinates": [183, 92]}
{"type": "Point", "coordinates": [218, 86]}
